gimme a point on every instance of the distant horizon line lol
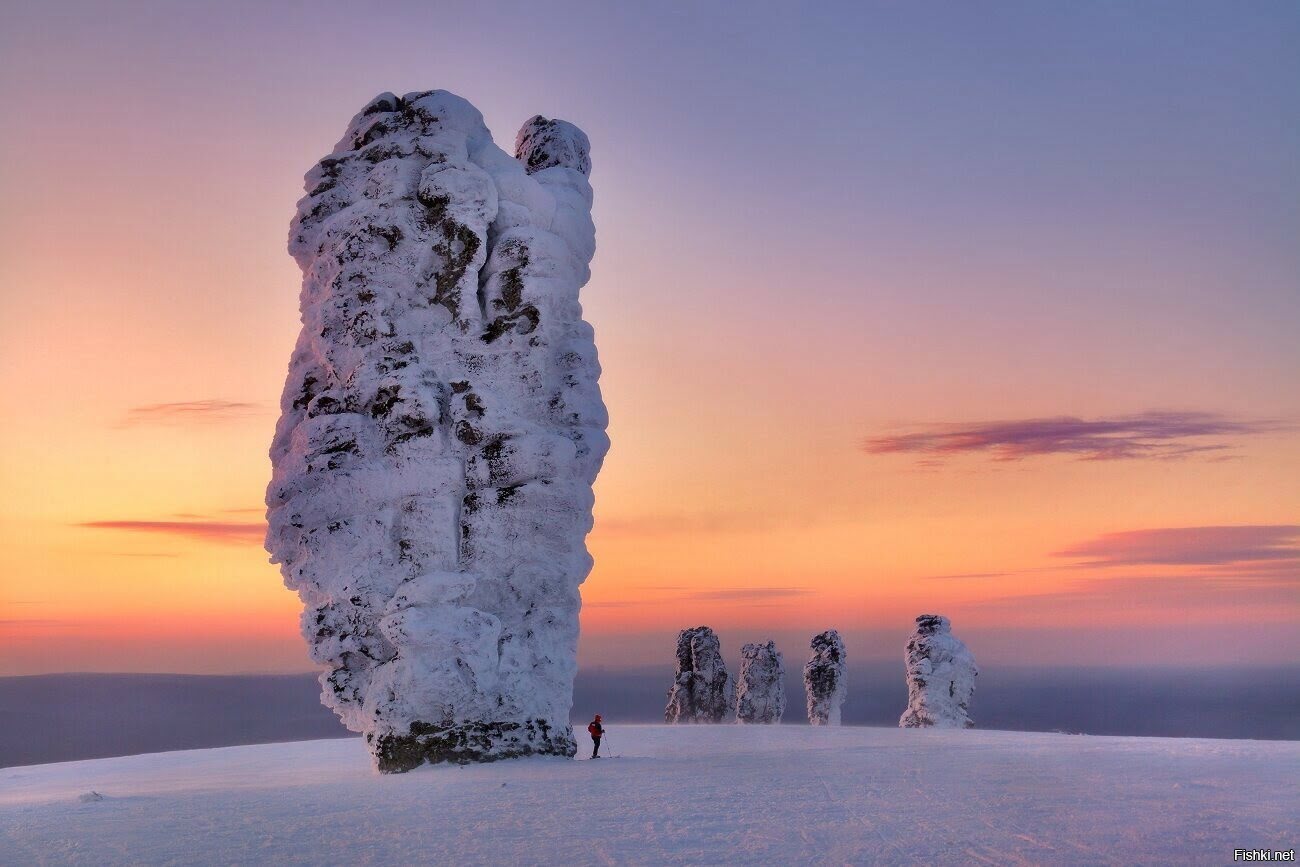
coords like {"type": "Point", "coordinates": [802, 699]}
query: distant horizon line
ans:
{"type": "Point", "coordinates": [653, 667]}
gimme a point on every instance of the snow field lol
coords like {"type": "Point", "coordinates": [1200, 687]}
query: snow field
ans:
{"type": "Point", "coordinates": [720, 794]}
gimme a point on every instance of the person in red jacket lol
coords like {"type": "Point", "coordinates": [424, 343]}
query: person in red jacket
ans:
{"type": "Point", "coordinates": [597, 731]}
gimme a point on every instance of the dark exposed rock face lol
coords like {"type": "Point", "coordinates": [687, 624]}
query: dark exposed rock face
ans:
{"type": "Point", "coordinates": [699, 692]}
{"type": "Point", "coordinates": [543, 143]}
{"type": "Point", "coordinates": [940, 677]}
{"type": "Point", "coordinates": [468, 742]}
{"type": "Point", "coordinates": [760, 694]}
{"type": "Point", "coordinates": [441, 429]}
{"type": "Point", "coordinates": [825, 679]}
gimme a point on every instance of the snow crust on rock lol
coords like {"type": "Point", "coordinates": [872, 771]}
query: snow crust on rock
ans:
{"type": "Point", "coordinates": [441, 429]}
{"type": "Point", "coordinates": [825, 679]}
{"type": "Point", "coordinates": [760, 693]}
{"type": "Point", "coordinates": [940, 677]}
{"type": "Point", "coordinates": [699, 692]}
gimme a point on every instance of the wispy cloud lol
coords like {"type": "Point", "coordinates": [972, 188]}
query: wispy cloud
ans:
{"type": "Point", "coordinates": [37, 624]}
{"type": "Point", "coordinates": [679, 524]}
{"type": "Point", "coordinates": [743, 594]}
{"type": "Point", "coordinates": [963, 575]}
{"type": "Point", "coordinates": [1164, 593]}
{"type": "Point", "coordinates": [1244, 545]}
{"type": "Point", "coordinates": [737, 595]}
{"type": "Point", "coordinates": [190, 412]}
{"type": "Point", "coordinates": [1156, 435]}
{"type": "Point", "coordinates": [1255, 566]}
{"type": "Point", "coordinates": [209, 531]}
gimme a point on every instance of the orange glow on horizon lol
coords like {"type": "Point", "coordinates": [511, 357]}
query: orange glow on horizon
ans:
{"type": "Point", "coordinates": [762, 306]}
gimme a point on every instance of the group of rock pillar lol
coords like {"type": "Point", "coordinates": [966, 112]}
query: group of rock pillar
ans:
{"type": "Point", "coordinates": [939, 668]}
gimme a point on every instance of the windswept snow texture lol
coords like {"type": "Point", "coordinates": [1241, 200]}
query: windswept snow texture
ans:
{"type": "Point", "coordinates": [760, 694]}
{"type": "Point", "coordinates": [940, 677]}
{"type": "Point", "coordinates": [699, 692]}
{"type": "Point", "coordinates": [678, 795]}
{"type": "Point", "coordinates": [825, 679]}
{"type": "Point", "coordinates": [441, 429]}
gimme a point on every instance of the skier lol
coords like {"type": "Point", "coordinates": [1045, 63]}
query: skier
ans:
{"type": "Point", "coordinates": [596, 730]}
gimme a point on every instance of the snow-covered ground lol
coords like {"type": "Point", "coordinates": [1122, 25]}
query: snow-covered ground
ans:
{"type": "Point", "coordinates": [687, 794]}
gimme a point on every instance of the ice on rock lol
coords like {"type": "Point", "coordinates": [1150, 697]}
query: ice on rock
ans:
{"type": "Point", "coordinates": [441, 429]}
{"type": "Point", "coordinates": [940, 677]}
{"type": "Point", "coordinates": [699, 691]}
{"type": "Point", "coordinates": [760, 694]}
{"type": "Point", "coordinates": [825, 679]}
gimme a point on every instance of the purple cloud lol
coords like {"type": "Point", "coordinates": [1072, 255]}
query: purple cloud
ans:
{"type": "Point", "coordinates": [1160, 435]}
{"type": "Point", "coordinates": [189, 412]}
{"type": "Point", "coordinates": [1257, 548]}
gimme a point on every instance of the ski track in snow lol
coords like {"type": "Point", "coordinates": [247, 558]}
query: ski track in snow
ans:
{"type": "Point", "coordinates": [674, 795]}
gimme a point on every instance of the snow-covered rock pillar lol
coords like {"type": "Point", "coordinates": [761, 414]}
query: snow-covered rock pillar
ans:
{"type": "Point", "coordinates": [940, 677]}
{"type": "Point", "coordinates": [760, 693]}
{"type": "Point", "coordinates": [699, 691]}
{"type": "Point", "coordinates": [825, 679]}
{"type": "Point", "coordinates": [441, 429]}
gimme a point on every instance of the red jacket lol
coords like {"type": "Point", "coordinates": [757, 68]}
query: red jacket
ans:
{"type": "Point", "coordinates": [595, 729]}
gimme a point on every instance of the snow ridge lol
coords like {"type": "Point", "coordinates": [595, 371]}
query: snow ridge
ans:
{"type": "Point", "coordinates": [441, 429]}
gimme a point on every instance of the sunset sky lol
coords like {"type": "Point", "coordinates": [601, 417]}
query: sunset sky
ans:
{"type": "Point", "coordinates": [987, 311]}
